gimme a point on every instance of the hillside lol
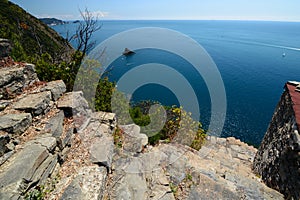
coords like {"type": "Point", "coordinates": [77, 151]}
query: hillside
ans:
{"type": "Point", "coordinates": [29, 36]}
{"type": "Point", "coordinates": [52, 21]}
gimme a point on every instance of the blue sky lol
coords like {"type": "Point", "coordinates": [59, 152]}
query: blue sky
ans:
{"type": "Point", "coordinates": [278, 10]}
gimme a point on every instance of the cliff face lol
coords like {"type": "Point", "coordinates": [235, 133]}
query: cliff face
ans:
{"type": "Point", "coordinates": [278, 158]}
{"type": "Point", "coordinates": [53, 147]}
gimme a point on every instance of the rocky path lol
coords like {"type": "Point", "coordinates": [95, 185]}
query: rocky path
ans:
{"type": "Point", "coordinates": [53, 147]}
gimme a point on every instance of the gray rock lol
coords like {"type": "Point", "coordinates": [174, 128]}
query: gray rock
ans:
{"type": "Point", "coordinates": [89, 184]}
{"type": "Point", "coordinates": [11, 82]}
{"type": "Point", "coordinates": [46, 141]}
{"type": "Point", "coordinates": [5, 157]}
{"type": "Point", "coordinates": [130, 186]}
{"type": "Point", "coordinates": [35, 103]}
{"type": "Point", "coordinates": [4, 140]}
{"type": "Point", "coordinates": [17, 174]}
{"type": "Point", "coordinates": [55, 125]}
{"type": "Point", "coordinates": [57, 88]}
{"type": "Point", "coordinates": [30, 75]}
{"type": "Point", "coordinates": [14, 79]}
{"type": "Point", "coordinates": [105, 118]}
{"type": "Point", "coordinates": [101, 151]}
{"type": "Point", "coordinates": [74, 104]}
{"type": "Point", "coordinates": [15, 123]}
{"type": "Point", "coordinates": [134, 141]}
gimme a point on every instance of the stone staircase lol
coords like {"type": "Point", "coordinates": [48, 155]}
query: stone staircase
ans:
{"type": "Point", "coordinates": [52, 146]}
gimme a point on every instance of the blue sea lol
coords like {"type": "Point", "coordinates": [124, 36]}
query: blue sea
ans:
{"type": "Point", "coordinates": [255, 60]}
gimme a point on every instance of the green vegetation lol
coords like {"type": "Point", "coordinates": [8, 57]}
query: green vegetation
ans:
{"type": "Point", "coordinates": [29, 36]}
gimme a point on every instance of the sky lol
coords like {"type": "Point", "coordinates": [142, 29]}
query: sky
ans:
{"type": "Point", "coordinates": [267, 10]}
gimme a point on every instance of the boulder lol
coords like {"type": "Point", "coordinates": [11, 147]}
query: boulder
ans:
{"type": "Point", "coordinates": [57, 88]}
{"type": "Point", "coordinates": [15, 123]}
{"type": "Point", "coordinates": [34, 103]}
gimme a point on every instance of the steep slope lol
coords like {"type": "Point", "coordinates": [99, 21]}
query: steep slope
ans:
{"type": "Point", "coordinates": [29, 36]}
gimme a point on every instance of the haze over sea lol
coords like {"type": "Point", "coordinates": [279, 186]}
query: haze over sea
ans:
{"type": "Point", "coordinates": [255, 59]}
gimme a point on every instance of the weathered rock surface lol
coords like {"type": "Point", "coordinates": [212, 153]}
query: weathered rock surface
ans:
{"type": "Point", "coordinates": [88, 184]}
{"type": "Point", "coordinates": [15, 123]}
{"type": "Point", "coordinates": [220, 170]}
{"type": "Point", "coordinates": [134, 141]}
{"type": "Point", "coordinates": [34, 103]}
{"type": "Point", "coordinates": [26, 167]}
{"type": "Point", "coordinates": [57, 88]}
{"type": "Point", "coordinates": [74, 104]}
{"type": "Point", "coordinates": [14, 79]}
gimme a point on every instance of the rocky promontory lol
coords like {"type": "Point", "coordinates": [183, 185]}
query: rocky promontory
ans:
{"type": "Point", "coordinates": [54, 147]}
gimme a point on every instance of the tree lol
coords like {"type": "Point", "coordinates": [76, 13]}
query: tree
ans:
{"type": "Point", "coordinates": [85, 30]}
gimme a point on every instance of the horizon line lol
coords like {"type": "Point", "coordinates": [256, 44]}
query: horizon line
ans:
{"type": "Point", "coordinates": [253, 20]}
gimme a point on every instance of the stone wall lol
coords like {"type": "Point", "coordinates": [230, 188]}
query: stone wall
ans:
{"type": "Point", "coordinates": [278, 158]}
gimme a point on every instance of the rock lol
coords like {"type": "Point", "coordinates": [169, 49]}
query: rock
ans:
{"type": "Point", "coordinates": [15, 123]}
{"type": "Point", "coordinates": [74, 104]}
{"type": "Point", "coordinates": [19, 171]}
{"type": "Point", "coordinates": [130, 186]}
{"type": "Point", "coordinates": [57, 88]}
{"type": "Point", "coordinates": [30, 76]}
{"type": "Point", "coordinates": [4, 140]}
{"type": "Point", "coordinates": [34, 103]}
{"type": "Point", "coordinates": [46, 141]}
{"type": "Point", "coordinates": [55, 125]}
{"type": "Point", "coordinates": [62, 143]}
{"type": "Point", "coordinates": [11, 82]}
{"type": "Point", "coordinates": [5, 157]}
{"type": "Point", "coordinates": [3, 104]}
{"type": "Point", "coordinates": [5, 48]}
{"type": "Point", "coordinates": [134, 142]}
{"type": "Point", "coordinates": [89, 184]}
{"type": "Point", "coordinates": [101, 151]}
{"type": "Point", "coordinates": [14, 79]}
{"type": "Point", "coordinates": [105, 118]}
{"type": "Point", "coordinates": [32, 164]}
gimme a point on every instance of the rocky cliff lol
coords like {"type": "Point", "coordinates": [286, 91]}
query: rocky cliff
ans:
{"type": "Point", "coordinates": [278, 158]}
{"type": "Point", "coordinates": [52, 146]}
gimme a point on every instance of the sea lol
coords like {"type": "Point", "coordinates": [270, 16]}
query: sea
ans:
{"type": "Point", "coordinates": [255, 60]}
